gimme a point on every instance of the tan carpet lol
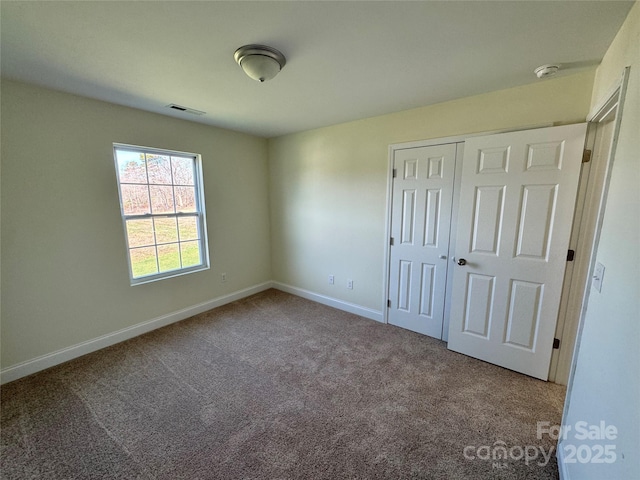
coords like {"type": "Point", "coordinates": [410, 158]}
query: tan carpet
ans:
{"type": "Point", "coordinates": [276, 387]}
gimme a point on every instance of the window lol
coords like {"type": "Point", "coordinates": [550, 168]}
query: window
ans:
{"type": "Point", "coordinates": [162, 205]}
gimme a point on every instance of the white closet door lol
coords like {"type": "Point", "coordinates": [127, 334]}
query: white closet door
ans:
{"type": "Point", "coordinates": [517, 199]}
{"type": "Point", "coordinates": [420, 222]}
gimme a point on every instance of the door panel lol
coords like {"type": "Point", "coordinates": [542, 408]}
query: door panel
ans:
{"type": "Point", "coordinates": [524, 313]}
{"type": "Point", "coordinates": [517, 198]}
{"type": "Point", "coordinates": [427, 286]}
{"type": "Point", "coordinates": [408, 216]}
{"type": "Point", "coordinates": [478, 295]}
{"type": "Point", "coordinates": [420, 227]}
{"type": "Point", "coordinates": [487, 219]}
{"type": "Point", "coordinates": [536, 212]}
{"type": "Point", "coordinates": [432, 218]}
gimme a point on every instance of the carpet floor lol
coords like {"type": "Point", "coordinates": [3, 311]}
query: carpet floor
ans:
{"type": "Point", "coordinates": [277, 387]}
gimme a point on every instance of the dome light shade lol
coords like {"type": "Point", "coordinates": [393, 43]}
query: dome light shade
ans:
{"type": "Point", "coordinates": [260, 62]}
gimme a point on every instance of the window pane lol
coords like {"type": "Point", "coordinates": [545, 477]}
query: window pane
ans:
{"type": "Point", "coordinates": [162, 211]}
{"type": "Point", "coordinates": [188, 228]}
{"type": "Point", "coordinates": [135, 199]}
{"type": "Point", "coordinates": [131, 167]}
{"type": "Point", "coordinates": [190, 253]}
{"type": "Point", "coordinates": [168, 257]}
{"type": "Point", "coordinates": [140, 233]}
{"type": "Point", "coordinates": [161, 199]}
{"type": "Point", "coordinates": [166, 230]}
{"type": "Point", "coordinates": [185, 199]}
{"type": "Point", "coordinates": [143, 261]}
{"type": "Point", "coordinates": [182, 170]}
{"type": "Point", "coordinates": [159, 168]}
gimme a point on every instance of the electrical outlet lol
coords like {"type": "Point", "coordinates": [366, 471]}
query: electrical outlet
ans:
{"type": "Point", "coordinates": [350, 284]}
{"type": "Point", "coordinates": [223, 277]}
{"type": "Point", "coordinates": [332, 280]}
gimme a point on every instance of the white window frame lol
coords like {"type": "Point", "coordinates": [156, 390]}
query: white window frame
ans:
{"type": "Point", "coordinates": [200, 215]}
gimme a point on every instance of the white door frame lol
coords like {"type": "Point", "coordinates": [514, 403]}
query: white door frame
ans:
{"type": "Point", "coordinates": [586, 230]}
{"type": "Point", "coordinates": [614, 100]}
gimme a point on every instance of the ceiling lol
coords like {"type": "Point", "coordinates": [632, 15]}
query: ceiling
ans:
{"type": "Point", "coordinates": [345, 60]}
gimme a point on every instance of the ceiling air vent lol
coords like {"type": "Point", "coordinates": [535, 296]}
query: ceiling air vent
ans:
{"type": "Point", "coordinates": [180, 108]}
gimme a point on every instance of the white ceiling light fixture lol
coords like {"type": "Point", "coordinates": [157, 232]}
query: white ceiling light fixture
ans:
{"type": "Point", "coordinates": [260, 62]}
{"type": "Point", "coordinates": [546, 70]}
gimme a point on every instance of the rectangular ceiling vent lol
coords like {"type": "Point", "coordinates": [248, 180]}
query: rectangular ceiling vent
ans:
{"type": "Point", "coordinates": [180, 108]}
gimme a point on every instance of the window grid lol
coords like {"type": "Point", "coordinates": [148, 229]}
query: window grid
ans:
{"type": "Point", "coordinates": [159, 244]}
{"type": "Point", "coordinates": [198, 240]}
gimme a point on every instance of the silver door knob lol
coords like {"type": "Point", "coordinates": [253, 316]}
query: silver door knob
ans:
{"type": "Point", "coordinates": [462, 261]}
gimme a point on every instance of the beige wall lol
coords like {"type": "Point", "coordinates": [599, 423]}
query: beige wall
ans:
{"type": "Point", "coordinates": [64, 267]}
{"type": "Point", "coordinates": [328, 186]}
{"type": "Point", "coordinates": [64, 270]}
{"type": "Point", "coordinates": [606, 384]}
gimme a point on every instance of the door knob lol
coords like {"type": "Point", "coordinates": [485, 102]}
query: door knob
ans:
{"type": "Point", "coordinates": [462, 261]}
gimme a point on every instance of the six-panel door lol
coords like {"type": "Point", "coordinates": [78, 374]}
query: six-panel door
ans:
{"type": "Point", "coordinates": [421, 216]}
{"type": "Point", "coordinates": [517, 201]}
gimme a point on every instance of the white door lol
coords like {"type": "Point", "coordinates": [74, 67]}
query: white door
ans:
{"type": "Point", "coordinates": [516, 207]}
{"type": "Point", "coordinates": [420, 222]}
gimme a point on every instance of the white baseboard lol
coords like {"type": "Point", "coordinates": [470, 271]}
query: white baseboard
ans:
{"type": "Point", "coordinates": [332, 302]}
{"type": "Point", "coordinates": [562, 466]}
{"type": "Point", "coordinates": [43, 362]}
{"type": "Point", "coordinates": [51, 359]}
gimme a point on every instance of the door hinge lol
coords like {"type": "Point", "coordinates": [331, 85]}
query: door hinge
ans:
{"type": "Point", "coordinates": [388, 303]}
{"type": "Point", "coordinates": [586, 156]}
{"type": "Point", "coordinates": [571, 255]}
{"type": "Point", "coordinates": [556, 343]}
{"type": "Point", "coordinates": [395, 172]}
{"type": "Point", "coordinates": [391, 242]}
